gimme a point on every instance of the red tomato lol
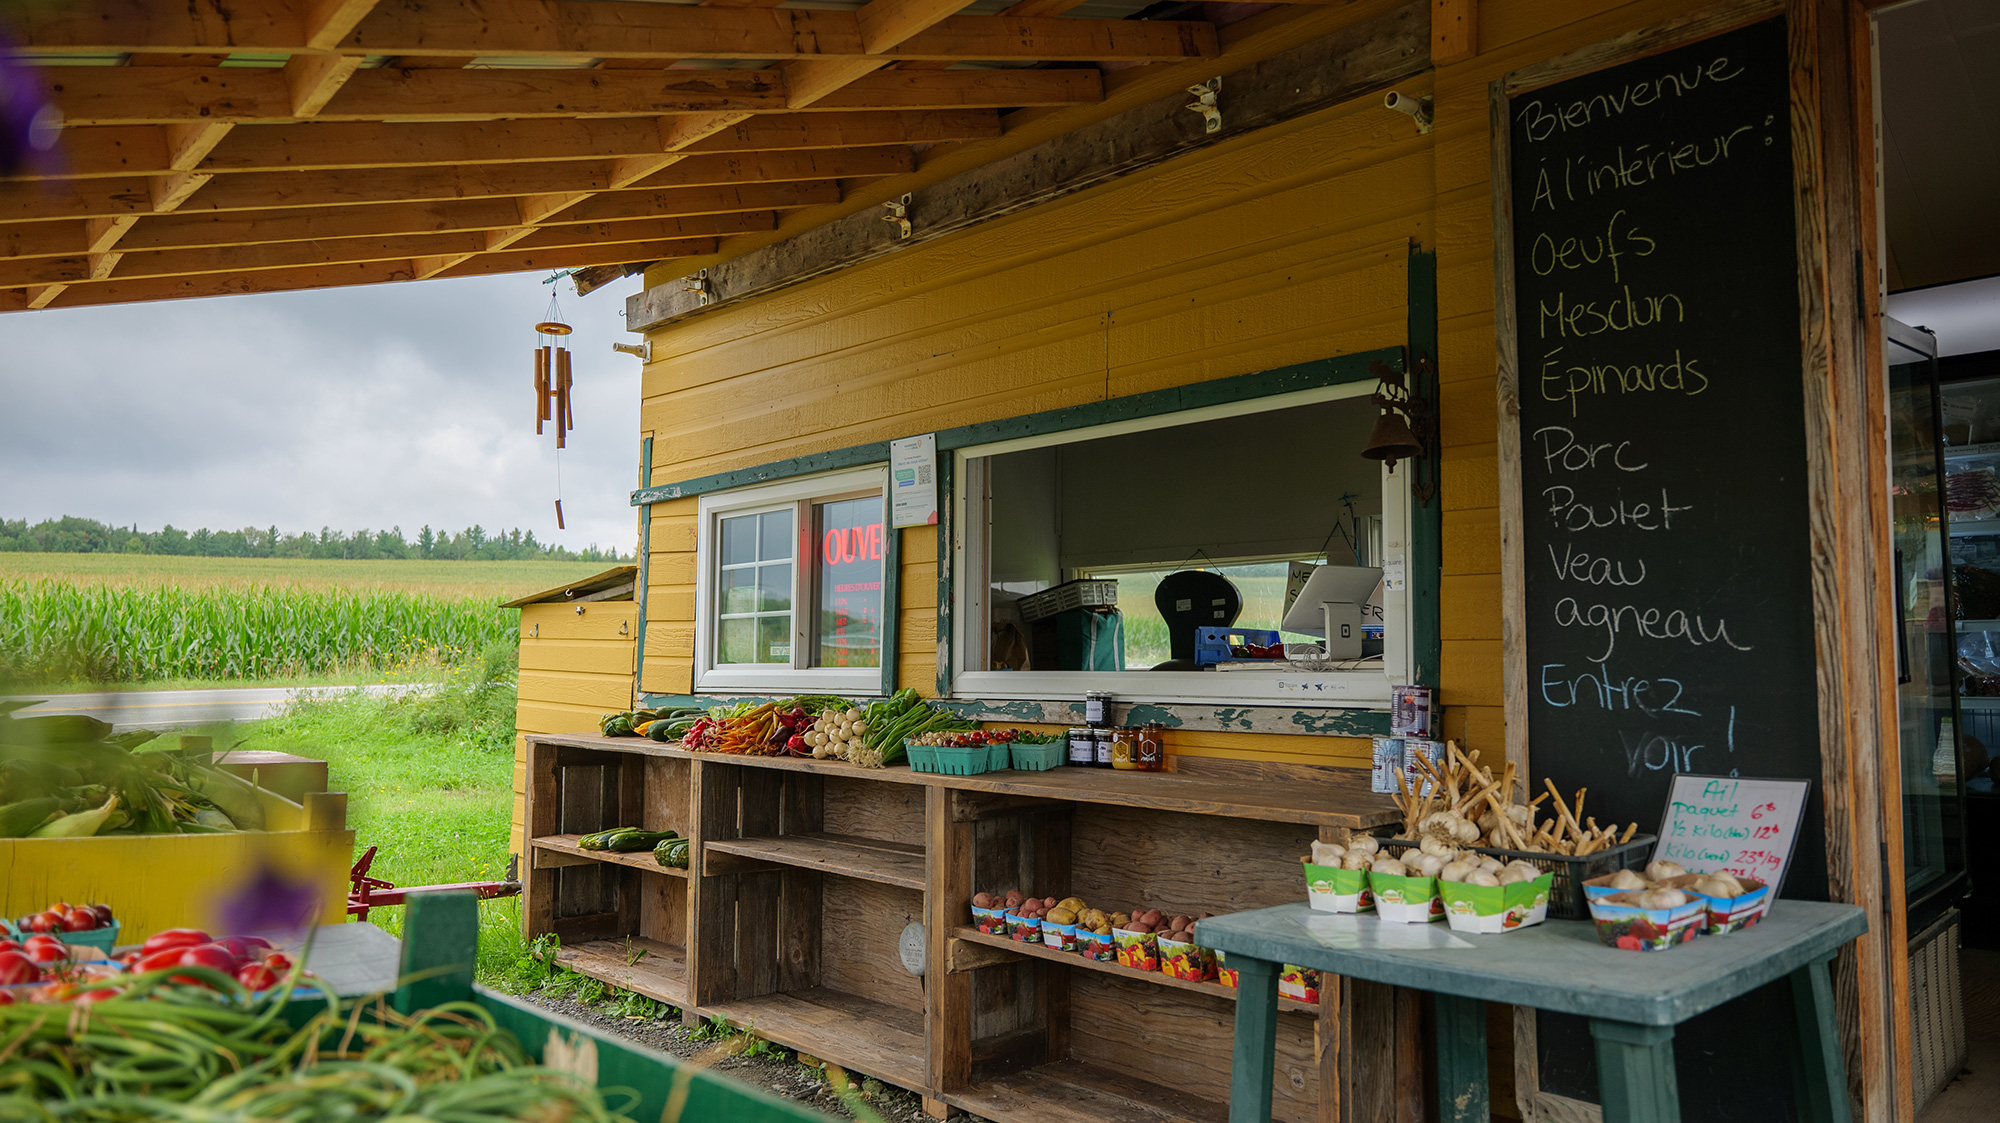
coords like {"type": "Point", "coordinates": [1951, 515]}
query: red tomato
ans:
{"type": "Point", "coordinates": [16, 968]}
{"type": "Point", "coordinates": [79, 920]}
{"type": "Point", "coordinates": [46, 949]}
{"type": "Point", "coordinates": [209, 955]}
{"type": "Point", "coordinates": [44, 922]}
{"type": "Point", "coordinates": [257, 976]}
{"type": "Point", "coordinates": [278, 961]}
{"type": "Point", "coordinates": [159, 960]}
{"type": "Point", "coordinates": [245, 947]}
{"type": "Point", "coordinates": [9, 945]}
{"type": "Point", "coordinates": [103, 913]}
{"type": "Point", "coordinates": [6, 998]}
{"type": "Point", "coordinates": [174, 938]}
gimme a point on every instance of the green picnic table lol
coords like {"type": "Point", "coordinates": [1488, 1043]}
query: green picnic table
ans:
{"type": "Point", "coordinates": [1633, 999]}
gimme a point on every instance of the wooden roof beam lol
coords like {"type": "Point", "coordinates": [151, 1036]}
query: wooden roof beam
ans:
{"type": "Point", "coordinates": [409, 185]}
{"type": "Point", "coordinates": [583, 30]}
{"type": "Point", "coordinates": [229, 284]}
{"type": "Point", "coordinates": [705, 212]}
{"type": "Point", "coordinates": [169, 95]}
{"type": "Point", "coordinates": [521, 261]}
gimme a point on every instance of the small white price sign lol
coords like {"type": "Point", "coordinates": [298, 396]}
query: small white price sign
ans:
{"type": "Point", "coordinates": [1734, 824]}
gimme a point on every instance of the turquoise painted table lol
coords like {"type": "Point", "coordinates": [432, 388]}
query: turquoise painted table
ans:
{"type": "Point", "coordinates": [1633, 999]}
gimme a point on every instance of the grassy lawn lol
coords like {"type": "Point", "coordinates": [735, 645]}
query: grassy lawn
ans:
{"type": "Point", "coordinates": [502, 580]}
{"type": "Point", "coordinates": [429, 782]}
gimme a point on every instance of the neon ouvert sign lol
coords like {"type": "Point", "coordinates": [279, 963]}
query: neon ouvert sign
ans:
{"type": "Point", "coordinates": [844, 545]}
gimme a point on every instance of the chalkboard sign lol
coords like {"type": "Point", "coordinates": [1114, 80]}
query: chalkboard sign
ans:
{"type": "Point", "coordinates": [1669, 617]}
{"type": "Point", "coordinates": [1665, 605]}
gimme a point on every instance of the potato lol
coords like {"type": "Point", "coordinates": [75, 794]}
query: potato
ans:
{"type": "Point", "coordinates": [1151, 916]}
{"type": "Point", "coordinates": [1050, 902]}
{"type": "Point", "coordinates": [1102, 929]}
{"type": "Point", "coordinates": [1141, 927]}
{"type": "Point", "coordinates": [1014, 898]}
{"type": "Point", "coordinates": [1060, 915]}
{"type": "Point", "coordinates": [1121, 920]}
{"type": "Point", "coordinates": [1074, 904]}
{"type": "Point", "coordinates": [1180, 922]}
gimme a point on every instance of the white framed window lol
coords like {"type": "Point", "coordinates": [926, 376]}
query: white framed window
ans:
{"type": "Point", "coordinates": [790, 586]}
{"type": "Point", "coordinates": [1242, 490]}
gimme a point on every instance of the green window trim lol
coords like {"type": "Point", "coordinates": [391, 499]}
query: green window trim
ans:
{"type": "Point", "coordinates": [1426, 524]}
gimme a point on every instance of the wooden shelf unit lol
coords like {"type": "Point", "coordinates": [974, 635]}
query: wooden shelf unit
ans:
{"type": "Point", "coordinates": [804, 875]}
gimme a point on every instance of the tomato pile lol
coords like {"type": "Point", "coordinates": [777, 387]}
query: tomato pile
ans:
{"type": "Point", "coordinates": [61, 917]}
{"type": "Point", "coordinates": [45, 959]}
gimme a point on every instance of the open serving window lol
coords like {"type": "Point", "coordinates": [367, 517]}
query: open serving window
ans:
{"type": "Point", "coordinates": [1166, 557]}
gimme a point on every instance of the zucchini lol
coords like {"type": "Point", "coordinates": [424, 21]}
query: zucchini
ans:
{"type": "Point", "coordinates": [624, 840]}
{"type": "Point", "coordinates": [672, 853]}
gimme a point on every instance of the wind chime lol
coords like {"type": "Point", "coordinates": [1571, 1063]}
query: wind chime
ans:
{"type": "Point", "coordinates": [552, 389]}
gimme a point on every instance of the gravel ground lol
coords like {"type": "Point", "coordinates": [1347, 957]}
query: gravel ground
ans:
{"type": "Point", "coordinates": [779, 1073]}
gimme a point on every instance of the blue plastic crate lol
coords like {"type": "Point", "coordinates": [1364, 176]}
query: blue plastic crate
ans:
{"type": "Point", "coordinates": [1211, 645]}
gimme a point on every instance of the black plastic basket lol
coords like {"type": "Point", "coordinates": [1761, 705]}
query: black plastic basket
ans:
{"type": "Point", "coordinates": [1566, 901]}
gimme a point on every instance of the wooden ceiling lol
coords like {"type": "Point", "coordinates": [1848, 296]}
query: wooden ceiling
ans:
{"type": "Point", "coordinates": [233, 146]}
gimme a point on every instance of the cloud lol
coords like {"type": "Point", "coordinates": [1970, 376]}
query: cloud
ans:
{"type": "Point", "coordinates": [376, 406]}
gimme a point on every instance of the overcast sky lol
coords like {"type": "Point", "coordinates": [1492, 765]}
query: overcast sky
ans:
{"type": "Point", "coordinates": [374, 406]}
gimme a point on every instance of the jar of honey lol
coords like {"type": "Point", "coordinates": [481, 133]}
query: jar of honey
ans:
{"type": "Point", "coordinates": [1150, 751]}
{"type": "Point", "coordinates": [1125, 749]}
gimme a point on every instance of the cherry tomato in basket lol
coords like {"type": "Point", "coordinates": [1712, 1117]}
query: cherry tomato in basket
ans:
{"type": "Point", "coordinates": [104, 917]}
{"type": "Point", "coordinates": [79, 920]}
{"type": "Point", "coordinates": [44, 922]}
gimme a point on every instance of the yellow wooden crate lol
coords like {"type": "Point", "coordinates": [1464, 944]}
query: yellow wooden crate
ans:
{"type": "Point", "coordinates": [158, 881]}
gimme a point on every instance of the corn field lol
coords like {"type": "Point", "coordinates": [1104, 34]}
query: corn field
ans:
{"type": "Point", "coordinates": [55, 631]}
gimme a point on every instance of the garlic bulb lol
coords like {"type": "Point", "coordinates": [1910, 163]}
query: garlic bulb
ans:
{"type": "Point", "coordinates": [1328, 853]}
{"type": "Point", "coordinates": [1364, 844]}
{"type": "Point", "coordinates": [1662, 870]}
{"type": "Point", "coordinates": [1627, 881]}
{"type": "Point", "coordinates": [1390, 866]}
{"type": "Point", "coordinates": [1488, 864]}
{"type": "Point", "coordinates": [1355, 860]}
{"type": "Point", "coordinates": [1481, 878]}
{"type": "Point", "coordinates": [1736, 887]}
{"type": "Point", "coordinates": [1434, 845]}
{"type": "Point", "coordinates": [1468, 831]}
{"type": "Point", "coordinates": [1515, 874]}
{"type": "Point", "coordinates": [1662, 899]}
{"type": "Point", "coordinates": [1458, 871]}
{"type": "Point", "coordinates": [1716, 887]}
{"type": "Point", "coordinates": [1529, 868]}
{"type": "Point", "coordinates": [1427, 865]}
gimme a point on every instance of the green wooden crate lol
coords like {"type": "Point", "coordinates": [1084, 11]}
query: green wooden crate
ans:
{"type": "Point", "coordinates": [440, 940]}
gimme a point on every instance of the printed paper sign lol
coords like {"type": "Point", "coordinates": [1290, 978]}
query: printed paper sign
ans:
{"type": "Point", "coordinates": [1740, 826]}
{"type": "Point", "coordinates": [913, 481]}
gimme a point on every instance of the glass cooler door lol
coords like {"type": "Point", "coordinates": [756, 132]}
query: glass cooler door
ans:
{"type": "Point", "coordinates": [1921, 498]}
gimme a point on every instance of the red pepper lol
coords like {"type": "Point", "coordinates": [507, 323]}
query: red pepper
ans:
{"type": "Point", "coordinates": [278, 961]}
{"type": "Point", "coordinates": [174, 938]}
{"type": "Point", "coordinates": [257, 976]}
{"type": "Point", "coordinates": [210, 955]}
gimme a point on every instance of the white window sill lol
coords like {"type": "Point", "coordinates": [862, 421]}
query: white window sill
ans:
{"type": "Point", "coordinates": [1345, 689]}
{"type": "Point", "coordinates": [785, 680]}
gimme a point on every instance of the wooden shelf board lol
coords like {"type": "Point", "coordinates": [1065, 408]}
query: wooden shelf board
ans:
{"type": "Point", "coordinates": [1346, 802]}
{"type": "Point", "coordinates": [640, 746]}
{"type": "Point", "coordinates": [1043, 951]}
{"type": "Point", "coordinates": [565, 845]}
{"type": "Point", "coordinates": [660, 974]}
{"type": "Point", "coordinates": [871, 859]}
{"type": "Point", "coordinates": [1074, 1092]}
{"type": "Point", "coordinates": [883, 1041]}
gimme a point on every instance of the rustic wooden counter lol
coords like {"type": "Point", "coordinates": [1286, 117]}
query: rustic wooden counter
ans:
{"type": "Point", "coordinates": [804, 875]}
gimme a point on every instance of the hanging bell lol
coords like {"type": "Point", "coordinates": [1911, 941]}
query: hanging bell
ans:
{"type": "Point", "coordinates": [1391, 440]}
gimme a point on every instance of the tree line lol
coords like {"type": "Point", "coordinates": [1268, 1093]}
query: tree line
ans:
{"type": "Point", "coordinates": [72, 535]}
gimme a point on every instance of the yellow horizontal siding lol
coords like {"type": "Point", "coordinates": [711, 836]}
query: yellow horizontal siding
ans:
{"type": "Point", "coordinates": [599, 620]}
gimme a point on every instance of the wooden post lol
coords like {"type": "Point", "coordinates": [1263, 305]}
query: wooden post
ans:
{"type": "Point", "coordinates": [440, 943]}
{"type": "Point", "coordinates": [1256, 1040]}
{"type": "Point", "coordinates": [947, 996]}
{"type": "Point", "coordinates": [1635, 1072]}
{"type": "Point", "coordinates": [1461, 1060]}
